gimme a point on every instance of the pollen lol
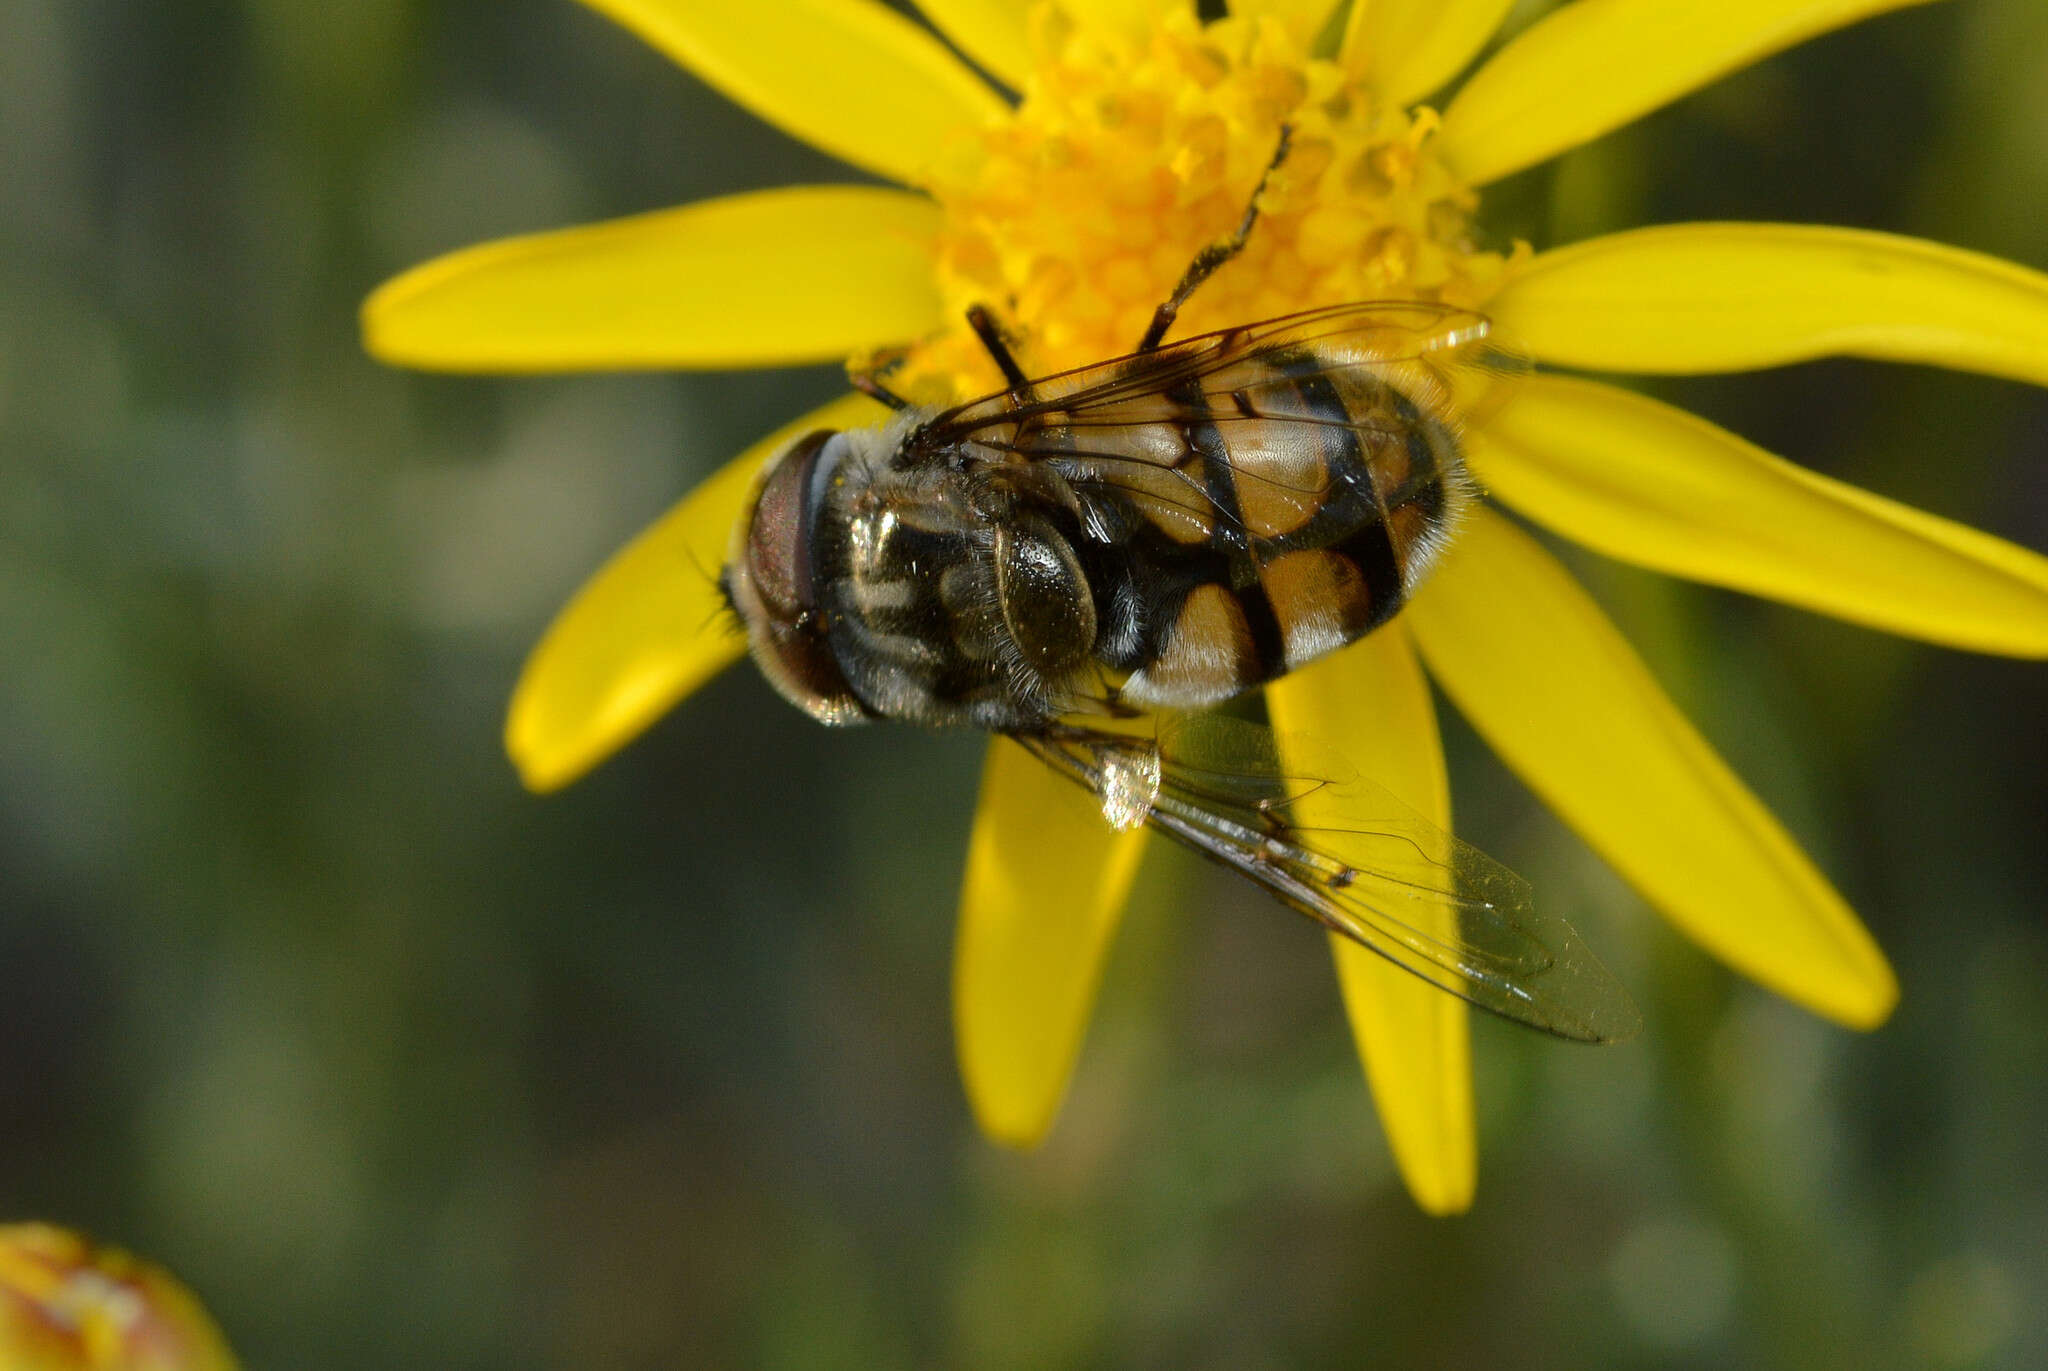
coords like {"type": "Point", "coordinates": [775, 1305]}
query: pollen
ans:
{"type": "Point", "coordinates": [1074, 217]}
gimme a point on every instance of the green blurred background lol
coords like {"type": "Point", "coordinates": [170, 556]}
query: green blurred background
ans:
{"type": "Point", "coordinates": [399, 1066]}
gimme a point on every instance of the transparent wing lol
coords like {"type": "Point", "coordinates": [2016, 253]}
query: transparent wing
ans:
{"type": "Point", "coordinates": [1347, 854]}
{"type": "Point", "coordinates": [1351, 335]}
{"type": "Point", "coordinates": [1284, 391]}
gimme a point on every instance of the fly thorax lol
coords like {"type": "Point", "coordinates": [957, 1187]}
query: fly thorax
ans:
{"type": "Point", "coordinates": [949, 602]}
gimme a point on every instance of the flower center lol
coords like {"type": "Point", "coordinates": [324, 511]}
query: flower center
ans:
{"type": "Point", "coordinates": [1073, 218]}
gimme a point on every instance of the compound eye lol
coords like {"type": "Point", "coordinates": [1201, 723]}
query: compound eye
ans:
{"type": "Point", "coordinates": [773, 581]}
{"type": "Point", "coordinates": [785, 512]}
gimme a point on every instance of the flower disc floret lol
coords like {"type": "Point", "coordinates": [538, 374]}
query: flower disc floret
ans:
{"type": "Point", "coordinates": [1075, 216]}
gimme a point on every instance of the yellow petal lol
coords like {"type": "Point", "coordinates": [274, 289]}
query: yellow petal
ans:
{"type": "Point", "coordinates": [992, 32]}
{"type": "Point", "coordinates": [647, 629]}
{"type": "Point", "coordinates": [1045, 888]}
{"type": "Point", "coordinates": [1653, 485]}
{"type": "Point", "coordinates": [802, 274]}
{"type": "Point", "coordinates": [851, 77]}
{"type": "Point", "coordinates": [1371, 702]}
{"type": "Point", "coordinates": [1304, 19]}
{"type": "Point", "coordinates": [1729, 297]}
{"type": "Point", "coordinates": [1594, 65]}
{"type": "Point", "coordinates": [1408, 48]}
{"type": "Point", "coordinates": [1554, 688]}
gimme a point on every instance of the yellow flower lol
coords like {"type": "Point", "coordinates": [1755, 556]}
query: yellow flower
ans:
{"type": "Point", "coordinates": [68, 1306]}
{"type": "Point", "coordinates": [1138, 135]}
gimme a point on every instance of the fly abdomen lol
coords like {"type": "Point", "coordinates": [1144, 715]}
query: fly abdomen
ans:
{"type": "Point", "coordinates": [1327, 492]}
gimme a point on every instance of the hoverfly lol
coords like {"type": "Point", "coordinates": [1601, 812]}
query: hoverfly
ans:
{"type": "Point", "coordinates": [1165, 531]}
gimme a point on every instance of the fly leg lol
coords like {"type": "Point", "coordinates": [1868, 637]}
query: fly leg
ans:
{"type": "Point", "coordinates": [1216, 254]}
{"type": "Point", "coordinates": [870, 379]}
{"type": "Point", "coordinates": [991, 335]}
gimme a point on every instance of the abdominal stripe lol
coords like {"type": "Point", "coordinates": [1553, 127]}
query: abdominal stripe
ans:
{"type": "Point", "coordinates": [1367, 542]}
{"type": "Point", "coordinates": [1263, 653]}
